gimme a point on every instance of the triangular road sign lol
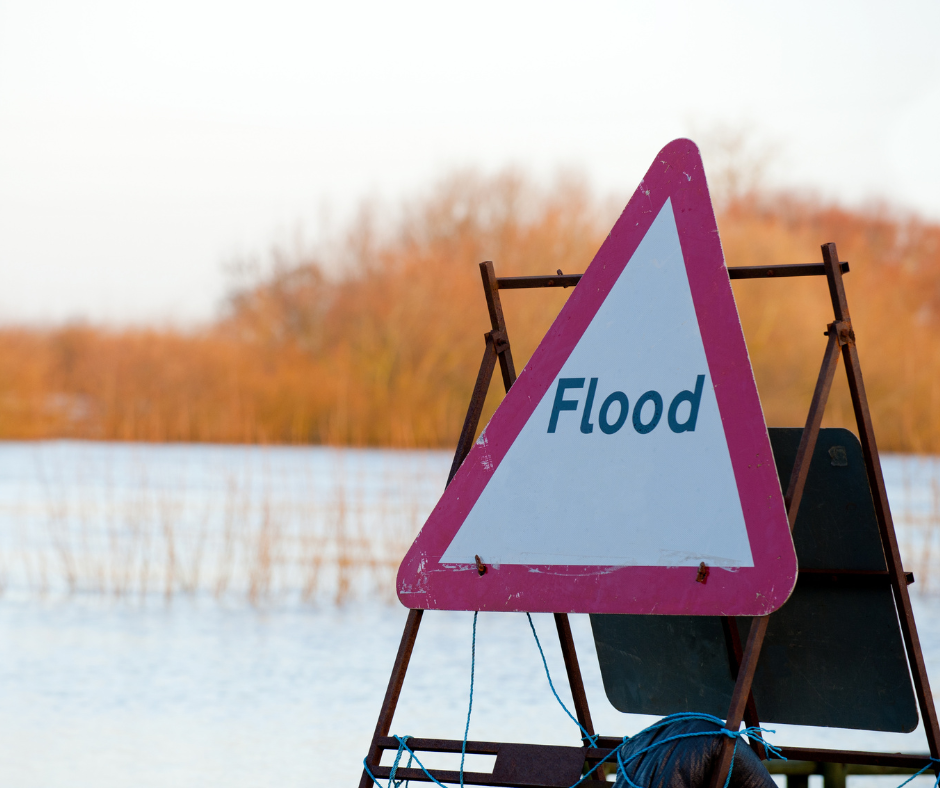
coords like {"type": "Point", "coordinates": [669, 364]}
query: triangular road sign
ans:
{"type": "Point", "coordinates": [632, 448]}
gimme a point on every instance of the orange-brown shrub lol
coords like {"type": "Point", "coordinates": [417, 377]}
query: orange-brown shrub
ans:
{"type": "Point", "coordinates": [894, 295]}
{"type": "Point", "coordinates": [377, 342]}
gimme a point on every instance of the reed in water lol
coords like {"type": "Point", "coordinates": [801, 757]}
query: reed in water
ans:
{"type": "Point", "coordinates": [261, 532]}
{"type": "Point", "coordinates": [312, 530]}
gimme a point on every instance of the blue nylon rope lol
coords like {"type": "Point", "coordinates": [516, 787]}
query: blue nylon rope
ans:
{"type": "Point", "coordinates": [933, 762]}
{"type": "Point", "coordinates": [753, 734]}
{"type": "Point", "coordinates": [402, 744]}
{"type": "Point", "coordinates": [402, 740]}
{"type": "Point", "coordinates": [401, 748]}
{"type": "Point", "coordinates": [473, 662]}
{"type": "Point", "coordinates": [592, 738]}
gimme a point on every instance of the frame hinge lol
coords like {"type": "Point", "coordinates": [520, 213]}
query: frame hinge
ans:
{"type": "Point", "coordinates": [499, 339]}
{"type": "Point", "coordinates": [843, 332]}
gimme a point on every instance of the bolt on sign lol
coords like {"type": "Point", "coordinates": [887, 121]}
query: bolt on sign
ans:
{"type": "Point", "coordinates": [628, 469]}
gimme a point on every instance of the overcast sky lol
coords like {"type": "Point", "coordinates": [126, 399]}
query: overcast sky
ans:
{"type": "Point", "coordinates": [142, 145]}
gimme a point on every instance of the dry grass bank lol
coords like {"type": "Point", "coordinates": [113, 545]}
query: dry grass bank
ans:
{"type": "Point", "coordinates": [377, 342]}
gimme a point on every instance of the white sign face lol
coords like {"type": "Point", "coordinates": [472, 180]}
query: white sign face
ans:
{"type": "Point", "coordinates": [628, 469]}
{"type": "Point", "coordinates": [628, 436]}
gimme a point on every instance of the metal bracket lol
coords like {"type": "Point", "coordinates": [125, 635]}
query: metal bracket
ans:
{"type": "Point", "coordinates": [499, 339]}
{"type": "Point", "coordinates": [843, 331]}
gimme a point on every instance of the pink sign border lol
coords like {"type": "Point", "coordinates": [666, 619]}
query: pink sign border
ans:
{"type": "Point", "coordinates": [424, 583]}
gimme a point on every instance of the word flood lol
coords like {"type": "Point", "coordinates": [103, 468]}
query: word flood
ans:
{"type": "Point", "coordinates": [612, 415]}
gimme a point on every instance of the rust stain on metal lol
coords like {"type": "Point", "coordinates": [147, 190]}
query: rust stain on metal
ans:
{"type": "Point", "coordinates": [481, 567]}
{"type": "Point", "coordinates": [702, 576]}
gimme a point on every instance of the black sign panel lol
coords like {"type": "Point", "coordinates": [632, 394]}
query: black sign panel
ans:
{"type": "Point", "coordinates": [833, 655]}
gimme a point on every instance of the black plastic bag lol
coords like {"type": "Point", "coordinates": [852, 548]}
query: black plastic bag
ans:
{"type": "Point", "coordinates": [688, 762]}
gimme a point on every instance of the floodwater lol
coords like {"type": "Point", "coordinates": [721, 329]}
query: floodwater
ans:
{"type": "Point", "coordinates": [110, 681]}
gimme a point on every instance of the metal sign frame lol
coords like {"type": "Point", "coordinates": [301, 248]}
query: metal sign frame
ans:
{"type": "Point", "coordinates": [543, 766]}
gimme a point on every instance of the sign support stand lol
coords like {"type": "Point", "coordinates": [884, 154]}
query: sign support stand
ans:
{"type": "Point", "coordinates": [841, 337]}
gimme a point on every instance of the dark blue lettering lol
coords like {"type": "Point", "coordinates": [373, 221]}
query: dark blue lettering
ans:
{"type": "Point", "coordinates": [560, 402]}
{"type": "Point", "coordinates": [694, 399]}
{"type": "Point", "coordinates": [586, 427]}
{"type": "Point", "coordinates": [606, 427]}
{"type": "Point", "coordinates": [657, 400]}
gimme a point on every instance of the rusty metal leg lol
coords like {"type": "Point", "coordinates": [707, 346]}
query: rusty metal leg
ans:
{"type": "Point", "coordinates": [804, 454]}
{"type": "Point", "coordinates": [742, 689]}
{"type": "Point", "coordinates": [497, 347]}
{"type": "Point", "coordinates": [475, 410]}
{"type": "Point", "coordinates": [735, 655]}
{"type": "Point", "coordinates": [794, 494]}
{"type": "Point", "coordinates": [501, 340]}
{"type": "Point", "coordinates": [576, 683]}
{"type": "Point", "coordinates": [846, 335]}
{"type": "Point", "coordinates": [498, 321]}
{"type": "Point", "coordinates": [392, 694]}
{"type": "Point", "coordinates": [573, 669]}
